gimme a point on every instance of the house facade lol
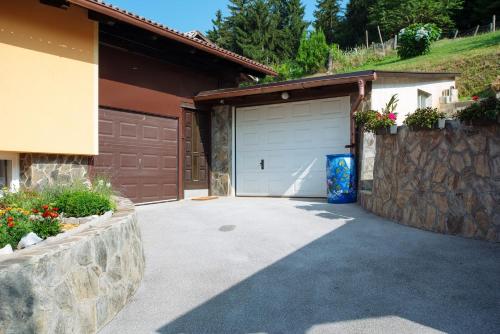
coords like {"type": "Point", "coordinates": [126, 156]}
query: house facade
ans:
{"type": "Point", "coordinates": [103, 92]}
{"type": "Point", "coordinates": [272, 140]}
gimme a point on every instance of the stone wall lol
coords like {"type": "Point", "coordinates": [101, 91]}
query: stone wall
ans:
{"type": "Point", "coordinates": [446, 181]}
{"type": "Point", "coordinates": [41, 169]}
{"type": "Point", "coordinates": [220, 182]}
{"type": "Point", "coordinates": [73, 283]}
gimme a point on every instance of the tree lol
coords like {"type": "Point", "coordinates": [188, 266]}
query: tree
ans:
{"type": "Point", "coordinates": [476, 12]}
{"type": "Point", "coordinates": [290, 26]}
{"type": "Point", "coordinates": [327, 18]}
{"type": "Point", "coordinates": [257, 34]}
{"type": "Point", "coordinates": [217, 26]}
{"type": "Point", "coordinates": [355, 23]}
{"type": "Point", "coordinates": [393, 15]}
{"type": "Point", "coordinates": [313, 52]}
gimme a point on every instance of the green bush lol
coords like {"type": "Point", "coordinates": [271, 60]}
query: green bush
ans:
{"type": "Point", "coordinates": [416, 39]}
{"type": "Point", "coordinates": [423, 118]}
{"type": "Point", "coordinates": [313, 52]}
{"type": "Point", "coordinates": [487, 110]}
{"type": "Point", "coordinates": [83, 203]}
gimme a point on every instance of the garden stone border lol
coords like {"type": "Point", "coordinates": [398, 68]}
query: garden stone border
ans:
{"type": "Point", "coordinates": [75, 282]}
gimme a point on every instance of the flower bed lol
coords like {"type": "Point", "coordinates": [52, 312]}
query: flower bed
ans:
{"type": "Point", "coordinates": [41, 212]}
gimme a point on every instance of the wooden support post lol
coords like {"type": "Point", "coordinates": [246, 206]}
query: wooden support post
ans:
{"type": "Point", "coordinates": [475, 31]}
{"type": "Point", "coordinates": [395, 41]}
{"type": "Point", "coordinates": [456, 33]}
{"type": "Point", "coordinates": [366, 35]}
{"type": "Point", "coordinates": [381, 41]}
{"type": "Point", "coordinates": [493, 23]}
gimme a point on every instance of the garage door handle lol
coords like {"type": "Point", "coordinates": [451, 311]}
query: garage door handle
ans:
{"type": "Point", "coordinates": [262, 164]}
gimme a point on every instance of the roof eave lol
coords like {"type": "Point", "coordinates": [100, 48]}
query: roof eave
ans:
{"type": "Point", "coordinates": [155, 28]}
{"type": "Point", "coordinates": [217, 95]}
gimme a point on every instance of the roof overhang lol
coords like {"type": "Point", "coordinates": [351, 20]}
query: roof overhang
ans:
{"type": "Point", "coordinates": [314, 82]}
{"type": "Point", "coordinates": [143, 23]}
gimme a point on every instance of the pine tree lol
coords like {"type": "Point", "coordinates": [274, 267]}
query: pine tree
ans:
{"type": "Point", "coordinates": [291, 25]}
{"type": "Point", "coordinates": [256, 34]}
{"type": "Point", "coordinates": [327, 18]}
{"type": "Point", "coordinates": [214, 34]}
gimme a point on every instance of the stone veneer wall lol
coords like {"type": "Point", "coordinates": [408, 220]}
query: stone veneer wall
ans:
{"type": "Point", "coordinates": [74, 283]}
{"type": "Point", "coordinates": [220, 182]}
{"type": "Point", "coordinates": [446, 181]}
{"type": "Point", "coordinates": [41, 169]}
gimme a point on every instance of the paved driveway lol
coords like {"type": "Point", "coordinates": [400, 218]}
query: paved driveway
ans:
{"type": "Point", "coordinates": [242, 265]}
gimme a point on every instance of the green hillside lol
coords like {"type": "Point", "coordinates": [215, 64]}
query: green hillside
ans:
{"type": "Point", "coordinates": [476, 58]}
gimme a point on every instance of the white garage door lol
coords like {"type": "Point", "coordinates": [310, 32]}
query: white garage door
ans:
{"type": "Point", "coordinates": [281, 148]}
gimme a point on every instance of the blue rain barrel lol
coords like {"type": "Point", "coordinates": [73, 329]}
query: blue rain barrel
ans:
{"type": "Point", "coordinates": [341, 178]}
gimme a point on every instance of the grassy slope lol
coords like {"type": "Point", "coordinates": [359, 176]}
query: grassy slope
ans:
{"type": "Point", "coordinates": [476, 58]}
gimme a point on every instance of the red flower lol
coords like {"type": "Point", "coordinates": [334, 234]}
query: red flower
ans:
{"type": "Point", "coordinates": [54, 215]}
{"type": "Point", "coordinates": [475, 98]}
{"type": "Point", "coordinates": [35, 211]}
{"type": "Point", "coordinates": [45, 207]}
{"type": "Point", "coordinates": [55, 209]}
{"type": "Point", "coordinates": [10, 219]}
{"type": "Point", "coordinates": [10, 224]}
{"type": "Point", "coordinates": [45, 214]}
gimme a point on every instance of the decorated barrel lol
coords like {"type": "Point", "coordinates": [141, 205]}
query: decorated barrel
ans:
{"type": "Point", "coordinates": [341, 178]}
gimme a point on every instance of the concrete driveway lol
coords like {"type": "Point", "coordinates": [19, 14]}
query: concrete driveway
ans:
{"type": "Point", "coordinates": [251, 265]}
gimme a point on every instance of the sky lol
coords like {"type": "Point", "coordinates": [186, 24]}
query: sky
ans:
{"type": "Point", "coordinates": [186, 15]}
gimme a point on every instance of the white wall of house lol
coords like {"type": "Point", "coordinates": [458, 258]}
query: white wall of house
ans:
{"type": "Point", "coordinates": [407, 90]}
{"type": "Point", "coordinates": [13, 172]}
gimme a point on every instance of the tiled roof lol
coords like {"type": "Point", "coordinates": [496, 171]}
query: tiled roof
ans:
{"type": "Point", "coordinates": [109, 9]}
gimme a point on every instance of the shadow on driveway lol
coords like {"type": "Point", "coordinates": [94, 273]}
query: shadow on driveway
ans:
{"type": "Point", "coordinates": [369, 275]}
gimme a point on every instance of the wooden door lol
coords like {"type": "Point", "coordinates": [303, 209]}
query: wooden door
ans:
{"type": "Point", "coordinates": [197, 147]}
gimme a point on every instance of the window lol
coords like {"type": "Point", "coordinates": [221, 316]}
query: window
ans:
{"type": "Point", "coordinates": [9, 170]}
{"type": "Point", "coordinates": [424, 99]}
{"type": "Point", "coordinates": [4, 177]}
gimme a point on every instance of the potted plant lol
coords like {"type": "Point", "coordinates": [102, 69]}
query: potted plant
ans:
{"type": "Point", "coordinates": [483, 112]}
{"type": "Point", "coordinates": [425, 119]}
{"type": "Point", "coordinates": [382, 122]}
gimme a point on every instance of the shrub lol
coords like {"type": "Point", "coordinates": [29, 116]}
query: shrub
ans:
{"type": "Point", "coordinates": [313, 52]}
{"type": "Point", "coordinates": [416, 39]}
{"type": "Point", "coordinates": [423, 118]}
{"type": "Point", "coordinates": [82, 203]}
{"type": "Point", "coordinates": [373, 120]}
{"type": "Point", "coordinates": [486, 110]}
{"type": "Point", "coordinates": [15, 223]}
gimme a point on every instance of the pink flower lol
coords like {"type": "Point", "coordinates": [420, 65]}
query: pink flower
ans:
{"type": "Point", "coordinates": [392, 116]}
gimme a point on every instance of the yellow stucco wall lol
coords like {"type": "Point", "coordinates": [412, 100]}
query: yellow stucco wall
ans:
{"type": "Point", "coordinates": [48, 79]}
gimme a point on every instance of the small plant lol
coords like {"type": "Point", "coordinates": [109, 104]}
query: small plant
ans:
{"type": "Point", "coordinates": [487, 110]}
{"type": "Point", "coordinates": [83, 203]}
{"type": "Point", "coordinates": [423, 118]}
{"type": "Point", "coordinates": [373, 120]}
{"type": "Point", "coordinates": [416, 39]}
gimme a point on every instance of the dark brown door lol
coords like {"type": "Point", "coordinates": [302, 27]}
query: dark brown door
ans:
{"type": "Point", "coordinates": [197, 149]}
{"type": "Point", "coordinates": [139, 153]}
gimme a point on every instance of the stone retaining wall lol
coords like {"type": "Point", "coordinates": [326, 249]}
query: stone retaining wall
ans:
{"type": "Point", "coordinates": [75, 283]}
{"type": "Point", "coordinates": [446, 181]}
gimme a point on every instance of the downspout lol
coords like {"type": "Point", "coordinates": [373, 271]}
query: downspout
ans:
{"type": "Point", "coordinates": [354, 107]}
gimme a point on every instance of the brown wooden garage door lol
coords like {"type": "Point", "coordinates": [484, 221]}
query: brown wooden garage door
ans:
{"type": "Point", "coordinates": [139, 153]}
